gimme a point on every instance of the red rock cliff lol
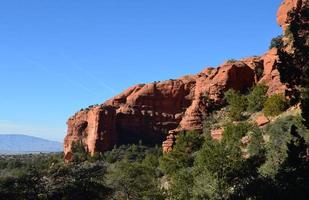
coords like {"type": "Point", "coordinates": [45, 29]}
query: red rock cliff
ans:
{"type": "Point", "coordinates": [151, 112]}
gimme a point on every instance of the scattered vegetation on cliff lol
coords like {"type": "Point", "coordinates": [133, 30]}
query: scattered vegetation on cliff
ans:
{"type": "Point", "coordinates": [275, 105]}
{"type": "Point", "coordinates": [276, 42]}
{"type": "Point", "coordinates": [294, 56]}
{"type": "Point", "coordinates": [257, 98]}
{"type": "Point", "coordinates": [237, 104]}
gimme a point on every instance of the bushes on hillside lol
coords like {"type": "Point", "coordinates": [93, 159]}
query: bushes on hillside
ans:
{"type": "Point", "coordinates": [178, 165]}
{"type": "Point", "coordinates": [286, 163]}
{"type": "Point", "coordinates": [133, 180]}
{"type": "Point", "coordinates": [221, 171]}
{"type": "Point", "coordinates": [181, 157]}
{"type": "Point", "coordinates": [255, 101]}
{"type": "Point", "coordinates": [275, 105]}
{"type": "Point", "coordinates": [257, 98]}
{"type": "Point", "coordinates": [237, 104]}
{"type": "Point", "coordinates": [305, 106]}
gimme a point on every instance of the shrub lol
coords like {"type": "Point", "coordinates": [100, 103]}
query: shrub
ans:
{"type": "Point", "coordinates": [257, 98]}
{"type": "Point", "coordinates": [276, 42]}
{"type": "Point", "coordinates": [282, 133]}
{"type": "Point", "coordinates": [259, 71]}
{"type": "Point", "coordinates": [220, 171]}
{"type": "Point", "coordinates": [134, 181]}
{"type": "Point", "coordinates": [79, 152]}
{"type": "Point", "coordinates": [275, 105]}
{"type": "Point", "coordinates": [231, 61]}
{"type": "Point", "coordinates": [182, 155]}
{"type": "Point", "coordinates": [237, 104]}
{"type": "Point", "coordinates": [234, 132]}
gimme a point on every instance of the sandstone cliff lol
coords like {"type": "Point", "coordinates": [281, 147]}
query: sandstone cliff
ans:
{"type": "Point", "coordinates": [157, 111]}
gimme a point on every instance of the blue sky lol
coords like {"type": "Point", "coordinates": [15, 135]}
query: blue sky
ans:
{"type": "Point", "coordinates": [57, 56]}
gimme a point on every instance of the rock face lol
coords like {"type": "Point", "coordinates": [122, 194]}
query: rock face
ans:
{"type": "Point", "coordinates": [150, 112]}
{"type": "Point", "coordinates": [157, 111]}
{"type": "Point", "coordinates": [285, 8]}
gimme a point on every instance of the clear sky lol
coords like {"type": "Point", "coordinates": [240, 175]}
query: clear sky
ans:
{"type": "Point", "coordinates": [58, 56]}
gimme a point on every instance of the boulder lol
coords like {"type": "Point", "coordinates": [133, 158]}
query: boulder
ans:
{"type": "Point", "coordinates": [262, 120]}
{"type": "Point", "coordinates": [217, 134]}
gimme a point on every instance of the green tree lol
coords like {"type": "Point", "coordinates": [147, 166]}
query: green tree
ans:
{"type": "Point", "coordinates": [177, 165]}
{"type": "Point", "coordinates": [221, 171]}
{"type": "Point", "coordinates": [294, 61]}
{"type": "Point", "coordinates": [134, 181]}
{"type": "Point", "coordinates": [182, 155]}
{"type": "Point", "coordinates": [237, 104]}
{"type": "Point", "coordinates": [77, 181]}
{"type": "Point", "coordinates": [257, 98]}
{"type": "Point", "coordinates": [79, 152]}
{"type": "Point", "coordinates": [181, 185]}
{"type": "Point", "coordinates": [27, 186]}
{"type": "Point", "coordinates": [276, 42]}
{"type": "Point", "coordinates": [279, 134]}
{"type": "Point", "coordinates": [275, 105]}
{"type": "Point", "coordinates": [286, 165]}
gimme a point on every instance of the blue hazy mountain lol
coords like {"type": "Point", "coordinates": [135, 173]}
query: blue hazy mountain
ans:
{"type": "Point", "coordinates": [21, 144]}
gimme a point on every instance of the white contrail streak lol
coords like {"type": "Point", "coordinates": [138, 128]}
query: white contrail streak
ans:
{"type": "Point", "coordinates": [62, 76]}
{"type": "Point", "coordinates": [90, 75]}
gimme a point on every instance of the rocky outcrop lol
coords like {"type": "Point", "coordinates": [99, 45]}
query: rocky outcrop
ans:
{"type": "Point", "coordinates": [167, 145]}
{"type": "Point", "coordinates": [217, 134]}
{"type": "Point", "coordinates": [150, 112]}
{"type": "Point", "coordinates": [287, 6]}
{"type": "Point", "coordinates": [261, 120]}
{"type": "Point", "coordinates": [157, 111]}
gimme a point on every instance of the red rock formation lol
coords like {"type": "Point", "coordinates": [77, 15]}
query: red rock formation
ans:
{"type": "Point", "coordinates": [167, 145]}
{"type": "Point", "coordinates": [286, 7]}
{"type": "Point", "coordinates": [149, 112]}
{"type": "Point", "coordinates": [217, 134]}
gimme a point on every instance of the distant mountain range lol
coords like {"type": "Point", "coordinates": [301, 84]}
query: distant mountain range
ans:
{"type": "Point", "coordinates": [23, 144]}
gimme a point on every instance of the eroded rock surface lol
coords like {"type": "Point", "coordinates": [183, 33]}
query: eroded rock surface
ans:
{"type": "Point", "coordinates": [150, 112]}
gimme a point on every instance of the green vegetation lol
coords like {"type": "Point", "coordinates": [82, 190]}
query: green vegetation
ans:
{"type": "Point", "coordinates": [127, 172]}
{"type": "Point", "coordinates": [237, 104]}
{"type": "Point", "coordinates": [255, 101]}
{"type": "Point", "coordinates": [276, 42]}
{"type": "Point", "coordinates": [182, 156]}
{"type": "Point", "coordinates": [286, 162]}
{"type": "Point", "coordinates": [259, 71]}
{"type": "Point", "coordinates": [248, 162]}
{"type": "Point", "coordinates": [220, 167]}
{"type": "Point", "coordinates": [294, 61]}
{"type": "Point", "coordinates": [134, 181]}
{"type": "Point", "coordinates": [305, 106]}
{"type": "Point", "coordinates": [231, 61]}
{"type": "Point", "coordinates": [257, 98]}
{"type": "Point", "coordinates": [275, 105]}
